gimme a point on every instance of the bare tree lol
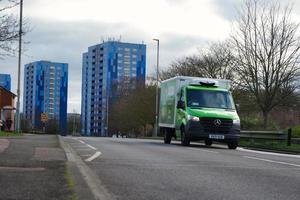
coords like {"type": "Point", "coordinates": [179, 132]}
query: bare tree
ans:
{"type": "Point", "coordinates": [133, 111]}
{"type": "Point", "coordinates": [267, 53]}
{"type": "Point", "coordinates": [218, 61]}
{"type": "Point", "coordinates": [188, 66]}
{"type": "Point", "coordinates": [9, 28]}
{"type": "Point", "coordinates": [214, 62]}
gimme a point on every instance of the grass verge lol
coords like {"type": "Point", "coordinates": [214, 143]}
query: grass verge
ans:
{"type": "Point", "coordinates": [70, 182]}
{"type": "Point", "coordinates": [8, 134]}
{"type": "Point", "coordinates": [270, 145]}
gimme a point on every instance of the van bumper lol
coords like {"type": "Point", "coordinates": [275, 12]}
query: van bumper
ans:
{"type": "Point", "coordinates": [196, 132]}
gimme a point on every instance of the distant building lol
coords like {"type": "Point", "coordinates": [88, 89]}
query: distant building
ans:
{"type": "Point", "coordinates": [5, 81]}
{"type": "Point", "coordinates": [46, 91]}
{"type": "Point", "coordinates": [7, 108]}
{"type": "Point", "coordinates": [106, 68]}
{"type": "Point", "coordinates": [74, 124]}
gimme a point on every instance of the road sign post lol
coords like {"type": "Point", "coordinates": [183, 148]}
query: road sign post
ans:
{"type": "Point", "coordinates": [44, 119]}
{"type": "Point", "coordinates": [289, 137]}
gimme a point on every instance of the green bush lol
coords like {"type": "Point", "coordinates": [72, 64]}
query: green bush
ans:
{"type": "Point", "coordinates": [296, 131]}
{"type": "Point", "coordinates": [250, 123]}
{"type": "Point", "coordinates": [256, 123]}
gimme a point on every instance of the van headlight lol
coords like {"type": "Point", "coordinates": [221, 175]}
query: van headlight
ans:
{"type": "Point", "coordinates": [236, 122]}
{"type": "Point", "coordinates": [193, 118]}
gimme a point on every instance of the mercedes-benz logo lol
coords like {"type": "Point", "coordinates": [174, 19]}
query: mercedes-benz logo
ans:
{"type": "Point", "coordinates": [217, 122]}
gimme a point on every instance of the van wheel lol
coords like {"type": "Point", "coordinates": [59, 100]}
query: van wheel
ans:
{"type": "Point", "coordinates": [208, 142]}
{"type": "Point", "coordinates": [167, 136]}
{"type": "Point", "coordinates": [232, 144]}
{"type": "Point", "coordinates": [185, 139]}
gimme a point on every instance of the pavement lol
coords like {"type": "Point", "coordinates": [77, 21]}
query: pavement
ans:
{"type": "Point", "coordinates": [32, 167]}
{"type": "Point", "coordinates": [136, 169]}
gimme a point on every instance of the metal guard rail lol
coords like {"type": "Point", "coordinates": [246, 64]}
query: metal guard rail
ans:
{"type": "Point", "coordinates": [272, 135]}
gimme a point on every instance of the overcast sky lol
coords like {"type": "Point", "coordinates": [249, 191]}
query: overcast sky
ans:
{"type": "Point", "coordinates": [63, 29]}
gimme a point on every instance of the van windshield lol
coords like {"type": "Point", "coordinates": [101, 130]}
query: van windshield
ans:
{"type": "Point", "coordinates": [209, 99]}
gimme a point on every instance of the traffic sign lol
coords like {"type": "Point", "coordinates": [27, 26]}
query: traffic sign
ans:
{"type": "Point", "coordinates": [44, 117]}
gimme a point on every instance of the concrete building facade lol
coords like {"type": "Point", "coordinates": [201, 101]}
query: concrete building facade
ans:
{"type": "Point", "coordinates": [46, 91]}
{"type": "Point", "coordinates": [106, 68]}
{"type": "Point", "coordinates": [5, 81]}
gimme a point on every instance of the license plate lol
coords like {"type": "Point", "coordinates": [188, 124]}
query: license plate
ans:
{"type": "Point", "coordinates": [219, 137]}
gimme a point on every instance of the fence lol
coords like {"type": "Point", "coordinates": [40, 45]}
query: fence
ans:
{"type": "Point", "coordinates": [270, 135]}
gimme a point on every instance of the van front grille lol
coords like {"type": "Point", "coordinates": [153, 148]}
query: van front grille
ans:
{"type": "Point", "coordinates": [216, 125]}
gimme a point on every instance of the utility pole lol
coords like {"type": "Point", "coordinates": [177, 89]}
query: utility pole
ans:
{"type": "Point", "coordinates": [19, 67]}
{"type": "Point", "coordinates": [156, 100]}
{"type": "Point", "coordinates": [107, 105]}
{"type": "Point", "coordinates": [74, 119]}
{"type": "Point", "coordinates": [107, 117]}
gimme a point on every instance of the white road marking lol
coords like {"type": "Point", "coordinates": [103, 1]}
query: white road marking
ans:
{"type": "Point", "coordinates": [86, 155]}
{"type": "Point", "coordinates": [94, 148]}
{"type": "Point", "coordinates": [91, 147]}
{"type": "Point", "coordinates": [81, 141]}
{"type": "Point", "coordinates": [97, 154]}
{"type": "Point", "coordinates": [268, 153]}
{"type": "Point", "coordinates": [83, 149]}
{"type": "Point", "coordinates": [272, 161]}
{"type": "Point", "coordinates": [204, 150]}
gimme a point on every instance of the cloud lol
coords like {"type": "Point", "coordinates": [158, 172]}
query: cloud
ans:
{"type": "Point", "coordinates": [66, 41]}
{"type": "Point", "coordinates": [63, 33]}
{"type": "Point", "coordinates": [174, 46]}
{"type": "Point", "coordinates": [227, 8]}
{"type": "Point", "coordinates": [176, 2]}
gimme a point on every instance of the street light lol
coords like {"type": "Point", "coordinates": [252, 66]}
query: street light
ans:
{"type": "Point", "coordinates": [19, 67]}
{"type": "Point", "coordinates": [156, 103]}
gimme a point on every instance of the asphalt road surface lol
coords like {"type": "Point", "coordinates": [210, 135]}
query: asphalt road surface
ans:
{"type": "Point", "coordinates": [148, 169]}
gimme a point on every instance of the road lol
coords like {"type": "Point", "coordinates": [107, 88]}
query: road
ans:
{"type": "Point", "coordinates": [148, 169]}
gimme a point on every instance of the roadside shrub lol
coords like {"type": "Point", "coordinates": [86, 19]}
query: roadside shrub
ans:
{"type": "Point", "coordinates": [256, 123]}
{"type": "Point", "coordinates": [296, 131]}
{"type": "Point", "coordinates": [250, 123]}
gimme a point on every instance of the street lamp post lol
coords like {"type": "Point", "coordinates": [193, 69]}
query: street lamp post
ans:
{"type": "Point", "coordinates": [156, 101]}
{"type": "Point", "coordinates": [74, 121]}
{"type": "Point", "coordinates": [19, 67]}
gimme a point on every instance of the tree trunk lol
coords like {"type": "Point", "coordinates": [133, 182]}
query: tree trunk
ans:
{"type": "Point", "coordinates": [145, 130]}
{"type": "Point", "coordinates": [265, 116]}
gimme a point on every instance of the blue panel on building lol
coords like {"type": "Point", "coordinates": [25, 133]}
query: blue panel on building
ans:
{"type": "Point", "coordinates": [46, 91]}
{"type": "Point", "coordinates": [5, 81]}
{"type": "Point", "coordinates": [104, 66]}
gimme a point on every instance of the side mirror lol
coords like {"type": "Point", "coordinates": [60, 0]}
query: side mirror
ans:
{"type": "Point", "coordinates": [180, 104]}
{"type": "Point", "coordinates": [237, 107]}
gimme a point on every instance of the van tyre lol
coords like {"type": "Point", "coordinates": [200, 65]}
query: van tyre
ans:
{"type": "Point", "coordinates": [208, 142]}
{"type": "Point", "coordinates": [232, 144]}
{"type": "Point", "coordinates": [185, 139]}
{"type": "Point", "coordinates": [167, 136]}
